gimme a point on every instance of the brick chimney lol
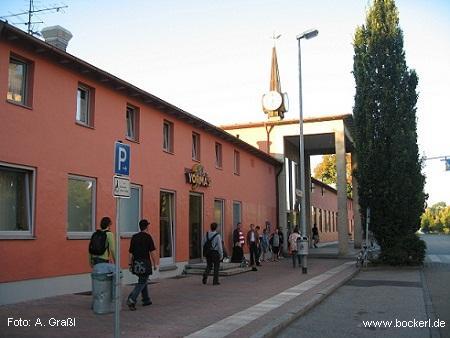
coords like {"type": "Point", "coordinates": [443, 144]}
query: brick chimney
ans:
{"type": "Point", "coordinates": [57, 36]}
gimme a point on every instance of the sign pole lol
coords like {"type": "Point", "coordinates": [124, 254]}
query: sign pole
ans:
{"type": "Point", "coordinates": [117, 275]}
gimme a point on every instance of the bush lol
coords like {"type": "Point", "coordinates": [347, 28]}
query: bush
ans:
{"type": "Point", "coordinates": [408, 250]}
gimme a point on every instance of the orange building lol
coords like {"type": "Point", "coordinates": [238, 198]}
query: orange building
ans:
{"type": "Point", "coordinates": [59, 120]}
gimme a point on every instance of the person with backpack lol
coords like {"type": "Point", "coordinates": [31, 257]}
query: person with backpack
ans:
{"type": "Point", "coordinates": [101, 245]}
{"type": "Point", "coordinates": [213, 251]}
{"type": "Point", "coordinates": [140, 259]}
{"type": "Point", "coordinates": [293, 238]}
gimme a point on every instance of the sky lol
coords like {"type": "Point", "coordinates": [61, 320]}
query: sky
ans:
{"type": "Point", "coordinates": [212, 58]}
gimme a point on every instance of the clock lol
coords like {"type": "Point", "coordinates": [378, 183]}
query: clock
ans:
{"type": "Point", "coordinates": [285, 102]}
{"type": "Point", "coordinates": [272, 100]}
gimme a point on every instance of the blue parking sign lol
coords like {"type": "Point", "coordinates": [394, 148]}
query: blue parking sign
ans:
{"type": "Point", "coordinates": [122, 159]}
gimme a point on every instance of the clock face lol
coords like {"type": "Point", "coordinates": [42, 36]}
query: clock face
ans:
{"type": "Point", "coordinates": [285, 102]}
{"type": "Point", "coordinates": [272, 100]}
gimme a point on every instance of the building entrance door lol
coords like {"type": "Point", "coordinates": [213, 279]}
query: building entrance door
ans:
{"type": "Point", "coordinates": [195, 226]}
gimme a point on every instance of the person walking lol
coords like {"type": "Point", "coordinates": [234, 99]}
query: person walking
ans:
{"type": "Point", "coordinates": [293, 246]}
{"type": "Point", "coordinates": [141, 262]}
{"type": "Point", "coordinates": [252, 240]}
{"type": "Point", "coordinates": [258, 246]}
{"type": "Point", "coordinates": [275, 242]}
{"type": "Point", "coordinates": [264, 244]}
{"type": "Point", "coordinates": [101, 245]}
{"type": "Point", "coordinates": [315, 234]}
{"type": "Point", "coordinates": [212, 244]}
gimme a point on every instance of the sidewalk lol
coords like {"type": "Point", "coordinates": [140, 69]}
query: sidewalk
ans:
{"type": "Point", "coordinates": [243, 305]}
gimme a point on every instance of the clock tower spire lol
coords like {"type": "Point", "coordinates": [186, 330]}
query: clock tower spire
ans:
{"type": "Point", "coordinates": [275, 102]}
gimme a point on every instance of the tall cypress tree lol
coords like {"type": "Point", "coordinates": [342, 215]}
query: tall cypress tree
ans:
{"type": "Point", "coordinates": [389, 169]}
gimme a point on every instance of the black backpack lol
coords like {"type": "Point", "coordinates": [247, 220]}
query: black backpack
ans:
{"type": "Point", "coordinates": [207, 247]}
{"type": "Point", "coordinates": [98, 243]}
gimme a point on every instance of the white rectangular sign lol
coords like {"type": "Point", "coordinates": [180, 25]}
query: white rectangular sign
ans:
{"type": "Point", "coordinates": [121, 187]}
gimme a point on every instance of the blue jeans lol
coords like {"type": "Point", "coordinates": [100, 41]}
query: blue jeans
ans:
{"type": "Point", "coordinates": [141, 287]}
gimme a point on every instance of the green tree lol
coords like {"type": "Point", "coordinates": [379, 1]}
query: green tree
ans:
{"type": "Point", "coordinates": [326, 171]}
{"type": "Point", "coordinates": [389, 170]}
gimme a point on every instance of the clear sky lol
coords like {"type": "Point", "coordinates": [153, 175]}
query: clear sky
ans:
{"type": "Point", "coordinates": [212, 58]}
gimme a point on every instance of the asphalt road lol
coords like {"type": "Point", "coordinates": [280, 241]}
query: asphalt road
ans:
{"type": "Point", "coordinates": [437, 277]}
{"type": "Point", "coordinates": [386, 294]}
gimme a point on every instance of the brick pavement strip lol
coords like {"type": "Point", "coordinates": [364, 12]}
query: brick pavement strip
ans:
{"type": "Point", "coordinates": [180, 306]}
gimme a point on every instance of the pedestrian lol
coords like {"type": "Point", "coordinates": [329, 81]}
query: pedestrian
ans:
{"type": "Point", "coordinates": [212, 244]}
{"type": "Point", "coordinates": [141, 262]}
{"type": "Point", "coordinates": [252, 240]}
{"type": "Point", "coordinates": [101, 245]}
{"type": "Point", "coordinates": [237, 255]}
{"type": "Point", "coordinates": [281, 236]}
{"type": "Point", "coordinates": [275, 240]}
{"type": "Point", "coordinates": [315, 233]}
{"type": "Point", "coordinates": [293, 246]}
{"type": "Point", "coordinates": [264, 244]}
{"type": "Point", "coordinates": [258, 246]}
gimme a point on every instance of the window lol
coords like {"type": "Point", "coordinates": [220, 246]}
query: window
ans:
{"type": "Point", "coordinates": [84, 105]}
{"type": "Point", "coordinates": [18, 81]}
{"type": "Point", "coordinates": [219, 211]}
{"type": "Point", "coordinates": [166, 227]}
{"type": "Point", "coordinates": [237, 212]}
{"type": "Point", "coordinates": [81, 204]}
{"type": "Point", "coordinates": [168, 136]}
{"type": "Point", "coordinates": [237, 162]}
{"type": "Point", "coordinates": [130, 211]}
{"type": "Point", "coordinates": [132, 117]}
{"type": "Point", "coordinates": [16, 200]}
{"type": "Point", "coordinates": [195, 147]}
{"type": "Point", "coordinates": [218, 155]}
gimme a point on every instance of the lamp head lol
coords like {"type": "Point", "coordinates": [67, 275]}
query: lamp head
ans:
{"type": "Point", "coordinates": [309, 34]}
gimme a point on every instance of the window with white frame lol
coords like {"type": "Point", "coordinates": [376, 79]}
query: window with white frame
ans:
{"type": "Point", "coordinates": [130, 211]}
{"type": "Point", "coordinates": [16, 200]}
{"type": "Point", "coordinates": [18, 78]}
{"type": "Point", "coordinates": [237, 162]}
{"type": "Point", "coordinates": [195, 147]}
{"type": "Point", "coordinates": [132, 117]}
{"type": "Point", "coordinates": [81, 204]}
{"type": "Point", "coordinates": [218, 149]}
{"type": "Point", "coordinates": [237, 212]}
{"type": "Point", "coordinates": [168, 136]}
{"type": "Point", "coordinates": [219, 214]}
{"type": "Point", "coordinates": [84, 105]}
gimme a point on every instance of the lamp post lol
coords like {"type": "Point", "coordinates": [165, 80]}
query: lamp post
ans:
{"type": "Point", "coordinates": [307, 35]}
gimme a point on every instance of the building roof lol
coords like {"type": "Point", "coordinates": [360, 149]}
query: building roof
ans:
{"type": "Point", "coordinates": [64, 59]}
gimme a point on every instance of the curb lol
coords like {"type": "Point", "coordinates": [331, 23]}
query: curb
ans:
{"type": "Point", "coordinates": [282, 322]}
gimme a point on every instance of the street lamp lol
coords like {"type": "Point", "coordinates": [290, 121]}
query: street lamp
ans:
{"type": "Point", "coordinates": [307, 35]}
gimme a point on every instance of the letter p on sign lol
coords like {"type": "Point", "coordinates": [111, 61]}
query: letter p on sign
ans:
{"type": "Point", "coordinates": [122, 159]}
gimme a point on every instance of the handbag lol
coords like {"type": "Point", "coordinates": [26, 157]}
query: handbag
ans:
{"type": "Point", "coordinates": [141, 267]}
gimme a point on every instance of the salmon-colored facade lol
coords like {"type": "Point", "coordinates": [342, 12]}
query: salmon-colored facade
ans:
{"type": "Point", "coordinates": [324, 211]}
{"type": "Point", "coordinates": [43, 138]}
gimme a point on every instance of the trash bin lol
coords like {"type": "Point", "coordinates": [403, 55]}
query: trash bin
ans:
{"type": "Point", "coordinates": [302, 245]}
{"type": "Point", "coordinates": [103, 288]}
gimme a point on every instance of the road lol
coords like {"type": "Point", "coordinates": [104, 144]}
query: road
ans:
{"type": "Point", "coordinates": [437, 277]}
{"type": "Point", "coordinates": [403, 298]}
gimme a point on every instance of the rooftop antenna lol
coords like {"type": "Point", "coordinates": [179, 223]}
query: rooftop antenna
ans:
{"type": "Point", "coordinates": [30, 12]}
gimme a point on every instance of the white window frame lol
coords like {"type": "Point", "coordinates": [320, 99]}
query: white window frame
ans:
{"type": "Point", "coordinates": [219, 156]}
{"type": "Point", "coordinates": [89, 93]}
{"type": "Point", "coordinates": [82, 234]}
{"type": "Point", "coordinates": [132, 123]}
{"type": "Point", "coordinates": [166, 261]}
{"type": "Point", "coordinates": [31, 199]}
{"type": "Point", "coordinates": [24, 85]}
{"type": "Point", "coordinates": [195, 146]}
{"type": "Point", "coordinates": [168, 137]}
{"type": "Point", "coordinates": [222, 212]}
{"type": "Point", "coordinates": [240, 213]}
{"type": "Point", "coordinates": [127, 234]}
{"type": "Point", "coordinates": [237, 162]}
